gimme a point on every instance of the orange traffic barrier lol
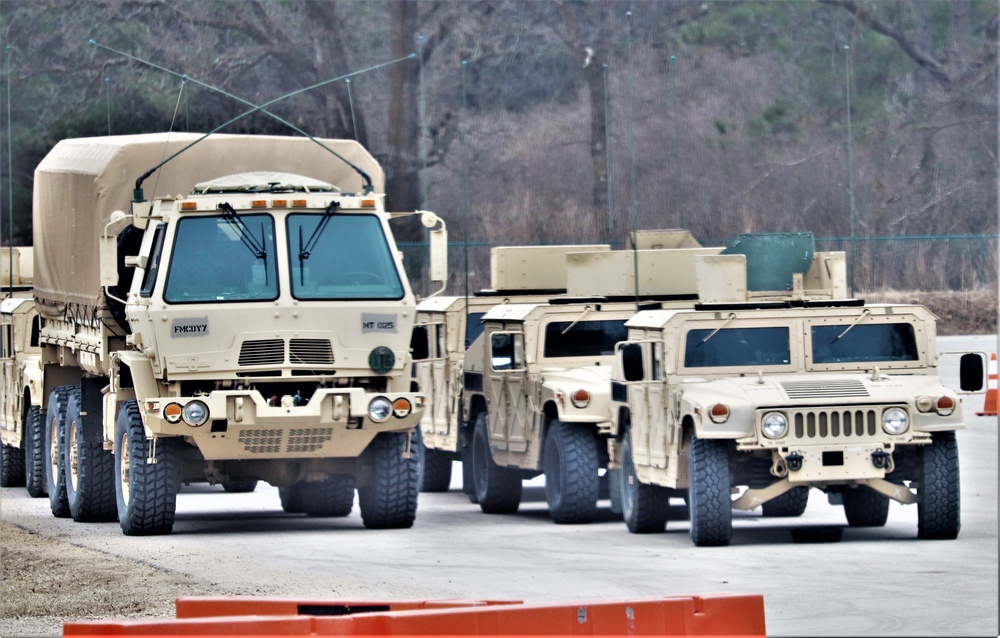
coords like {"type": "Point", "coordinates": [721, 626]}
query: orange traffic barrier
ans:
{"type": "Point", "coordinates": [722, 615]}
{"type": "Point", "coordinates": [207, 606]}
{"type": "Point", "coordinates": [992, 405]}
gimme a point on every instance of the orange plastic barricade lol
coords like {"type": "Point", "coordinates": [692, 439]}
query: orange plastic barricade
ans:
{"type": "Point", "coordinates": [204, 606]}
{"type": "Point", "coordinates": [991, 405]}
{"type": "Point", "coordinates": [722, 615]}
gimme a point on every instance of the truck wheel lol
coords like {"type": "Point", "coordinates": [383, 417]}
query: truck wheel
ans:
{"type": "Point", "coordinates": [571, 467]}
{"type": "Point", "coordinates": [437, 471]}
{"type": "Point", "coordinates": [389, 500]}
{"type": "Point", "coordinates": [90, 470]}
{"type": "Point", "coordinates": [864, 507]}
{"type": "Point", "coordinates": [34, 453]}
{"type": "Point", "coordinates": [239, 485]}
{"type": "Point", "coordinates": [791, 503]}
{"type": "Point", "coordinates": [12, 460]}
{"type": "Point", "coordinates": [939, 508]}
{"type": "Point", "coordinates": [644, 507]}
{"type": "Point", "coordinates": [291, 498]}
{"type": "Point", "coordinates": [498, 489]}
{"type": "Point", "coordinates": [708, 478]}
{"type": "Point", "coordinates": [55, 452]}
{"type": "Point", "coordinates": [332, 497]}
{"type": "Point", "coordinates": [146, 492]}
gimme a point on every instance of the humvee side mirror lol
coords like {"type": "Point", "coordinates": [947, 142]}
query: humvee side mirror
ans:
{"type": "Point", "coordinates": [971, 372]}
{"type": "Point", "coordinates": [419, 343]}
{"type": "Point", "coordinates": [632, 362]}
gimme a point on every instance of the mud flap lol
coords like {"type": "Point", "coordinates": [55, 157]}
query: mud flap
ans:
{"type": "Point", "coordinates": [614, 489]}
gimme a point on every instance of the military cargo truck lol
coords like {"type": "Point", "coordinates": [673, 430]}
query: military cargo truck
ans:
{"type": "Point", "coordinates": [250, 320]}
{"type": "Point", "coordinates": [777, 382]}
{"type": "Point", "coordinates": [20, 376]}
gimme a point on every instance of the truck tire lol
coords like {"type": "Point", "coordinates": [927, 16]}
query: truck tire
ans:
{"type": "Point", "coordinates": [90, 469]}
{"type": "Point", "coordinates": [939, 504]}
{"type": "Point", "coordinates": [332, 497]}
{"type": "Point", "coordinates": [291, 498]}
{"type": "Point", "coordinates": [12, 465]}
{"type": "Point", "coordinates": [708, 478]}
{"type": "Point", "coordinates": [571, 466]}
{"type": "Point", "coordinates": [55, 452]}
{"type": "Point", "coordinates": [146, 493]}
{"type": "Point", "coordinates": [645, 508]}
{"type": "Point", "coordinates": [498, 489]}
{"type": "Point", "coordinates": [437, 471]}
{"type": "Point", "coordinates": [389, 500]}
{"type": "Point", "coordinates": [864, 507]}
{"type": "Point", "coordinates": [34, 453]}
{"type": "Point", "coordinates": [791, 503]}
{"type": "Point", "coordinates": [239, 485]}
{"type": "Point", "coordinates": [468, 479]}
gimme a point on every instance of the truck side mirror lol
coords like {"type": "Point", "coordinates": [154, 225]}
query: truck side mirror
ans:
{"type": "Point", "coordinates": [632, 362]}
{"type": "Point", "coordinates": [971, 372]}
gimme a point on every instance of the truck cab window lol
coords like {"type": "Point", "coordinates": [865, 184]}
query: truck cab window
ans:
{"type": "Point", "coordinates": [153, 264]}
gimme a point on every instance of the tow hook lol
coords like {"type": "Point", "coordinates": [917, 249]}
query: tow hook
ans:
{"type": "Point", "coordinates": [794, 462]}
{"type": "Point", "coordinates": [880, 459]}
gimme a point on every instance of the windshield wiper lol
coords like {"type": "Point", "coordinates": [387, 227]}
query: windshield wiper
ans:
{"type": "Point", "coordinates": [257, 248]}
{"type": "Point", "coordinates": [864, 314]}
{"type": "Point", "coordinates": [586, 309]}
{"type": "Point", "coordinates": [725, 323]}
{"type": "Point", "coordinates": [306, 249]}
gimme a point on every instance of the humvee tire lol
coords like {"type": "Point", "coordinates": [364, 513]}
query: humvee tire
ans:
{"type": "Point", "coordinates": [389, 500]}
{"type": "Point", "coordinates": [55, 452]}
{"type": "Point", "coordinates": [468, 478]}
{"type": "Point", "coordinates": [239, 485]}
{"type": "Point", "coordinates": [645, 508]}
{"type": "Point", "coordinates": [291, 498]}
{"type": "Point", "coordinates": [11, 466]}
{"type": "Point", "coordinates": [90, 470]}
{"type": "Point", "coordinates": [939, 508]}
{"type": "Point", "coordinates": [332, 497]}
{"type": "Point", "coordinates": [791, 503]}
{"type": "Point", "coordinates": [146, 493]}
{"type": "Point", "coordinates": [437, 471]}
{"type": "Point", "coordinates": [711, 506]}
{"type": "Point", "coordinates": [864, 507]}
{"type": "Point", "coordinates": [571, 465]}
{"type": "Point", "coordinates": [34, 453]}
{"type": "Point", "coordinates": [498, 489]}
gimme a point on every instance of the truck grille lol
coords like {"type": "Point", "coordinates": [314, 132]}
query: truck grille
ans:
{"type": "Point", "coordinates": [265, 352]}
{"type": "Point", "coordinates": [824, 389]}
{"type": "Point", "coordinates": [825, 424]}
{"type": "Point", "coordinates": [274, 440]}
{"type": "Point", "coordinates": [313, 351]}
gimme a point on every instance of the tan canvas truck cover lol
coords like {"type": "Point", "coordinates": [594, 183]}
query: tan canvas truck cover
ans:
{"type": "Point", "coordinates": [82, 181]}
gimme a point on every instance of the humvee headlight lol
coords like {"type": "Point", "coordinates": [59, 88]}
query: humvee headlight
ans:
{"type": "Point", "coordinates": [195, 413]}
{"type": "Point", "coordinates": [580, 398]}
{"type": "Point", "coordinates": [895, 421]}
{"type": "Point", "coordinates": [945, 406]}
{"type": "Point", "coordinates": [172, 412]}
{"type": "Point", "coordinates": [719, 413]}
{"type": "Point", "coordinates": [401, 408]}
{"type": "Point", "coordinates": [774, 425]}
{"type": "Point", "coordinates": [379, 409]}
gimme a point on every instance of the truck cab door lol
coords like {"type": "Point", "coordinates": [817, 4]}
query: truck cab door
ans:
{"type": "Point", "coordinates": [506, 392]}
{"type": "Point", "coordinates": [429, 363]}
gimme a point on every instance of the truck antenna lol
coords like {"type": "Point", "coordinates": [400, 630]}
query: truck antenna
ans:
{"type": "Point", "coordinates": [137, 194]}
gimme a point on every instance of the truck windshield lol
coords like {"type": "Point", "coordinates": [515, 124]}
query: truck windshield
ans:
{"type": "Point", "coordinates": [864, 343]}
{"type": "Point", "coordinates": [583, 338]}
{"type": "Point", "coordinates": [750, 347]}
{"type": "Point", "coordinates": [211, 261]}
{"type": "Point", "coordinates": [350, 260]}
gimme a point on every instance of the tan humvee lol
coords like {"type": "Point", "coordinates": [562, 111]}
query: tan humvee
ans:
{"type": "Point", "coordinates": [241, 324]}
{"type": "Point", "coordinates": [21, 462]}
{"type": "Point", "coordinates": [766, 394]}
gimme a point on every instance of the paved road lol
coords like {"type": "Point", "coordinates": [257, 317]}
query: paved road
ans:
{"type": "Point", "coordinates": [873, 582]}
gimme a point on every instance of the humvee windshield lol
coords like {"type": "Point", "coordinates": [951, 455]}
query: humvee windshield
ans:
{"type": "Point", "coordinates": [583, 338]}
{"type": "Point", "coordinates": [753, 347]}
{"type": "Point", "coordinates": [863, 343]}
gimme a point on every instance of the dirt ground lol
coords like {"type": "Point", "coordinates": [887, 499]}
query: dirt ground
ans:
{"type": "Point", "coordinates": [959, 313]}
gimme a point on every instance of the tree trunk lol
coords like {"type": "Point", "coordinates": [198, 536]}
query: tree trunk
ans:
{"type": "Point", "coordinates": [403, 165]}
{"type": "Point", "coordinates": [595, 75]}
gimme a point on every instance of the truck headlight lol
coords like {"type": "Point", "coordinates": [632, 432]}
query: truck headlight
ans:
{"type": "Point", "coordinates": [379, 409]}
{"type": "Point", "coordinates": [895, 421]}
{"type": "Point", "coordinates": [195, 413]}
{"type": "Point", "coordinates": [774, 425]}
{"type": "Point", "coordinates": [580, 398]}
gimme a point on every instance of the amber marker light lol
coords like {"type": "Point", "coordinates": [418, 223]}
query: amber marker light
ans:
{"type": "Point", "coordinates": [189, 205]}
{"type": "Point", "coordinates": [299, 203]}
{"type": "Point", "coordinates": [172, 412]}
{"type": "Point", "coordinates": [580, 398]}
{"type": "Point", "coordinates": [279, 203]}
{"type": "Point", "coordinates": [367, 203]}
{"type": "Point", "coordinates": [258, 203]}
{"type": "Point", "coordinates": [401, 408]}
{"type": "Point", "coordinates": [719, 413]}
{"type": "Point", "coordinates": [945, 405]}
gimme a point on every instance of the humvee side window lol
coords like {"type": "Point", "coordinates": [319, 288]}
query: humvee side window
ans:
{"type": "Point", "coordinates": [864, 343]}
{"type": "Point", "coordinates": [583, 338]}
{"type": "Point", "coordinates": [504, 351]}
{"type": "Point", "coordinates": [473, 327]}
{"type": "Point", "coordinates": [35, 331]}
{"type": "Point", "coordinates": [751, 347]}
{"type": "Point", "coordinates": [419, 343]}
{"type": "Point", "coordinates": [632, 362]}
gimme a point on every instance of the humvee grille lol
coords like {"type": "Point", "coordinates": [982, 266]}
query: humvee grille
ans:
{"type": "Point", "coordinates": [263, 352]}
{"type": "Point", "coordinates": [824, 389]}
{"type": "Point", "coordinates": [843, 424]}
{"type": "Point", "coordinates": [316, 351]}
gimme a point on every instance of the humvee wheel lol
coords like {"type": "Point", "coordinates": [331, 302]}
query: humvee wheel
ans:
{"type": "Point", "coordinates": [12, 463]}
{"type": "Point", "coordinates": [711, 506]}
{"type": "Point", "coordinates": [90, 470]}
{"type": "Point", "coordinates": [437, 471]}
{"type": "Point", "coordinates": [939, 508]}
{"type": "Point", "coordinates": [498, 489]}
{"type": "Point", "coordinates": [571, 466]}
{"type": "Point", "coordinates": [146, 493]}
{"type": "Point", "coordinates": [332, 497]}
{"type": "Point", "coordinates": [34, 453]}
{"type": "Point", "coordinates": [291, 498]}
{"type": "Point", "coordinates": [239, 485]}
{"type": "Point", "coordinates": [644, 507]}
{"type": "Point", "coordinates": [864, 507]}
{"type": "Point", "coordinates": [468, 479]}
{"type": "Point", "coordinates": [55, 449]}
{"type": "Point", "coordinates": [389, 500]}
{"type": "Point", "coordinates": [791, 503]}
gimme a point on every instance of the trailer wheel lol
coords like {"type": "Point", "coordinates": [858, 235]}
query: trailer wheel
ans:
{"type": "Point", "coordinates": [711, 507]}
{"type": "Point", "coordinates": [644, 507]}
{"type": "Point", "coordinates": [571, 466]}
{"type": "Point", "coordinates": [239, 485]}
{"type": "Point", "coordinates": [389, 500]}
{"type": "Point", "coordinates": [291, 498]}
{"type": "Point", "coordinates": [864, 507]}
{"type": "Point", "coordinates": [498, 489]}
{"type": "Point", "coordinates": [55, 452]}
{"type": "Point", "coordinates": [34, 453]}
{"type": "Point", "coordinates": [437, 471]}
{"type": "Point", "coordinates": [332, 497]}
{"type": "Point", "coordinates": [939, 508]}
{"type": "Point", "coordinates": [146, 492]}
{"type": "Point", "coordinates": [791, 503]}
{"type": "Point", "coordinates": [90, 470]}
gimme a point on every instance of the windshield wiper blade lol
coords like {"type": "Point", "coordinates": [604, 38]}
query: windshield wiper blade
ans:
{"type": "Point", "coordinates": [864, 315]}
{"type": "Point", "coordinates": [732, 316]}
{"type": "Point", "coordinates": [305, 251]}
{"type": "Point", "coordinates": [233, 219]}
